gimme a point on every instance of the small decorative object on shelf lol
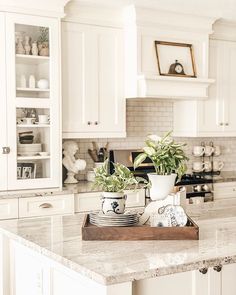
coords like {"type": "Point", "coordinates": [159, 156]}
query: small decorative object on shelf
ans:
{"type": "Point", "coordinates": [19, 46]}
{"type": "Point", "coordinates": [176, 68]}
{"type": "Point", "coordinates": [32, 82]}
{"type": "Point", "coordinates": [43, 84]}
{"type": "Point", "coordinates": [27, 45]}
{"type": "Point", "coordinates": [167, 51]}
{"type": "Point", "coordinates": [73, 165]}
{"type": "Point", "coordinates": [26, 170]}
{"type": "Point", "coordinates": [169, 160]}
{"type": "Point", "coordinates": [113, 186]}
{"type": "Point", "coordinates": [22, 81]}
{"type": "Point", "coordinates": [43, 41]}
{"type": "Point", "coordinates": [34, 49]}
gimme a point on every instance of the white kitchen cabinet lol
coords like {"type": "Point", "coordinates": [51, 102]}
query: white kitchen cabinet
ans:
{"type": "Point", "coordinates": [214, 116]}
{"type": "Point", "coordinates": [85, 202]}
{"type": "Point", "coordinates": [93, 98]}
{"type": "Point", "coordinates": [21, 169]}
{"type": "Point", "coordinates": [224, 190]}
{"type": "Point", "coordinates": [45, 206]}
{"type": "Point", "coordinates": [3, 107]}
{"type": "Point", "coordinates": [30, 272]}
{"type": "Point", "coordinates": [8, 208]}
{"type": "Point", "coordinates": [33, 274]}
{"type": "Point", "coordinates": [228, 279]}
{"type": "Point", "coordinates": [216, 281]}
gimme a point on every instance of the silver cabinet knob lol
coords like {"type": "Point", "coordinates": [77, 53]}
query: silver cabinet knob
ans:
{"type": "Point", "coordinates": [203, 270]}
{"type": "Point", "coordinates": [221, 124]}
{"type": "Point", "coordinates": [96, 123]}
{"type": "Point", "coordinates": [89, 123]}
{"type": "Point", "coordinates": [226, 124]}
{"type": "Point", "coordinates": [6, 150]}
{"type": "Point", "coordinates": [217, 268]}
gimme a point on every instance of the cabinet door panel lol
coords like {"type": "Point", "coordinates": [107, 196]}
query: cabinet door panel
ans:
{"type": "Point", "coordinates": [111, 97]}
{"type": "Point", "coordinates": [30, 273]}
{"type": "Point", "coordinates": [210, 110]}
{"type": "Point", "coordinates": [180, 283]}
{"type": "Point", "coordinates": [80, 82]}
{"type": "Point", "coordinates": [93, 100]}
{"type": "Point", "coordinates": [3, 120]}
{"type": "Point", "coordinates": [228, 279]}
{"type": "Point", "coordinates": [230, 87]}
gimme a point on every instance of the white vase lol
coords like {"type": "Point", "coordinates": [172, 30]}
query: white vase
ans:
{"type": "Point", "coordinates": [161, 185]}
{"type": "Point", "coordinates": [113, 203]}
{"type": "Point", "coordinates": [31, 81]}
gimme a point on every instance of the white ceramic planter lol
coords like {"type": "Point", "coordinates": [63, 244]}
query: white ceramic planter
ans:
{"type": "Point", "coordinates": [162, 185]}
{"type": "Point", "coordinates": [113, 203]}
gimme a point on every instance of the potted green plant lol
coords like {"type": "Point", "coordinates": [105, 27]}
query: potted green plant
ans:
{"type": "Point", "coordinates": [43, 41]}
{"type": "Point", "coordinates": [169, 160]}
{"type": "Point", "coordinates": [114, 185]}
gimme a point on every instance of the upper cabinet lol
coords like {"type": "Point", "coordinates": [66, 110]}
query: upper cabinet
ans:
{"type": "Point", "coordinates": [30, 102]}
{"type": "Point", "coordinates": [93, 75]}
{"type": "Point", "coordinates": [216, 115]}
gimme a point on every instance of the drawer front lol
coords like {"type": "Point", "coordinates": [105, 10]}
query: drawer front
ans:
{"type": "Point", "coordinates": [88, 202]}
{"type": "Point", "coordinates": [42, 206]}
{"type": "Point", "coordinates": [85, 202]}
{"type": "Point", "coordinates": [135, 198]}
{"type": "Point", "coordinates": [8, 208]}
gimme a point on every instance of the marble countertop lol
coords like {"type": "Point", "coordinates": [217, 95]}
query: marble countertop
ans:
{"type": "Point", "coordinates": [86, 186]}
{"type": "Point", "coordinates": [29, 194]}
{"type": "Point", "coordinates": [111, 262]}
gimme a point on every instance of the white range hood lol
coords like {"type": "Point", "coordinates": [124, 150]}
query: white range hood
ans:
{"type": "Point", "coordinates": [142, 27]}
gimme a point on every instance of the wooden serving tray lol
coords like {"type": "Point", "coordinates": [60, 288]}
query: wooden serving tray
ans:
{"type": "Point", "coordinates": [92, 232]}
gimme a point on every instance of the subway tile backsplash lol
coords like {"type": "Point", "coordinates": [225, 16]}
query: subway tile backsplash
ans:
{"type": "Point", "coordinates": [146, 116]}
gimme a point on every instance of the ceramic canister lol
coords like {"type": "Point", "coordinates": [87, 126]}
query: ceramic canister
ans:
{"type": "Point", "coordinates": [113, 203]}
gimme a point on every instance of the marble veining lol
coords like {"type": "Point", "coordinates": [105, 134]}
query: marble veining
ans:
{"type": "Point", "coordinates": [111, 262]}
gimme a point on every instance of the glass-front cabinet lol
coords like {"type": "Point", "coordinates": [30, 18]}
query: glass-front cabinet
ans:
{"type": "Point", "coordinates": [32, 102]}
{"type": "Point", "coordinates": [3, 107]}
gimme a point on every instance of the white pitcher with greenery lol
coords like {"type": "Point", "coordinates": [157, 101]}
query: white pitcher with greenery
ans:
{"type": "Point", "coordinates": [114, 185]}
{"type": "Point", "coordinates": [169, 161]}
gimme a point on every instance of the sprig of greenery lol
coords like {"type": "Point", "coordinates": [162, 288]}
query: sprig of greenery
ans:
{"type": "Point", "coordinates": [44, 34]}
{"type": "Point", "coordinates": [120, 180]}
{"type": "Point", "coordinates": [167, 155]}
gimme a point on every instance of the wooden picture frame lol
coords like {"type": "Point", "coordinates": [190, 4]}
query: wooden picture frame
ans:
{"type": "Point", "coordinates": [26, 170]}
{"type": "Point", "coordinates": [191, 59]}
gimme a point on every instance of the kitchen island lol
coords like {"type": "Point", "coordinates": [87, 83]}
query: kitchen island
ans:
{"type": "Point", "coordinates": [47, 256]}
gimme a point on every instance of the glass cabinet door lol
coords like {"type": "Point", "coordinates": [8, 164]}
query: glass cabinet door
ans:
{"type": "Point", "coordinates": [33, 102]}
{"type": "Point", "coordinates": [3, 121]}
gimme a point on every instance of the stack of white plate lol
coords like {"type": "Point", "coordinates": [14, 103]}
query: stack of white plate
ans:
{"type": "Point", "coordinates": [31, 149]}
{"type": "Point", "coordinates": [100, 219]}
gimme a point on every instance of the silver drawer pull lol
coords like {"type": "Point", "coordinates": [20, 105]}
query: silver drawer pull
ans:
{"type": "Point", "coordinates": [45, 206]}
